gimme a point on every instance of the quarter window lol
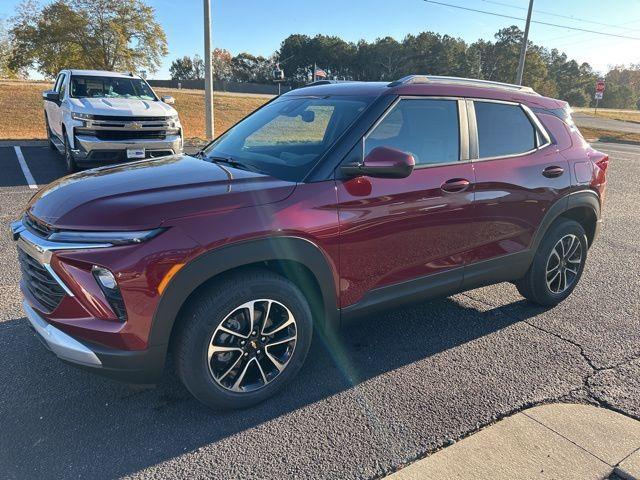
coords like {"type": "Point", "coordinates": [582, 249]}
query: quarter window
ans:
{"type": "Point", "coordinates": [503, 130]}
{"type": "Point", "coordinates": [427, 129]}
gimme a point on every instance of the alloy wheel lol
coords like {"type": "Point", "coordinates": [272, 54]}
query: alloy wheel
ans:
{"type": "Point", "coordinates": [563, 264]}
{"type": "Point", "coordinates": [252, 346]}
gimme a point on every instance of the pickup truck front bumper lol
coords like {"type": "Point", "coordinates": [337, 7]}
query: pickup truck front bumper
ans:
{"type": "Point", "coordinates": [90, 150]}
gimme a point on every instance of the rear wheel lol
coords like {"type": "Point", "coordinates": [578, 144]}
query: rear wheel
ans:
{"type": "Point", "coordinates": [243, 340]}
{"type": "Point", "coordinates": [557, 265]}
{"type": "Point", "coordinates": [69, 161]}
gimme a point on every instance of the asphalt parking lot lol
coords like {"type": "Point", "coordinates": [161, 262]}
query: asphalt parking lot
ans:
{"type": "Point", "coordinates": [377, 397]}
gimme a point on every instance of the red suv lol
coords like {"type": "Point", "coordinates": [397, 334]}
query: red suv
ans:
{"type": "Point", "coordinates": [330, 202]}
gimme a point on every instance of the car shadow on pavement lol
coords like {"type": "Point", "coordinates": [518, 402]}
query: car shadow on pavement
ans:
{"type": "Point", "coordinates": [62, 422]}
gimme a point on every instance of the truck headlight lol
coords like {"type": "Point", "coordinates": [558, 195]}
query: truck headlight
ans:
{"type": "Point", "coordinates": [81, 116]}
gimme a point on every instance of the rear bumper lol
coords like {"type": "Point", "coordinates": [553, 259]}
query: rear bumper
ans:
{"type": "Point", "coordinates": [140, 366]}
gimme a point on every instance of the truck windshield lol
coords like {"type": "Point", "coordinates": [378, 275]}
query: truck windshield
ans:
{"type": "Point", "coordinates": [110, 87]}
{"type": "Point", "coordinates": [288, 136]}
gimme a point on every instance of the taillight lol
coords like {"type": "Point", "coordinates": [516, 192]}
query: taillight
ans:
{"type": "Point", "coordinates": [603, 163]}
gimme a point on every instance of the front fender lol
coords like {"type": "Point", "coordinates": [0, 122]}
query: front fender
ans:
{"type": "Point", "coordinates": [214, 262]}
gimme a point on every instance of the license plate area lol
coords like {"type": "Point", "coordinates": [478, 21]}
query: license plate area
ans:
{"type": "Point", "coordinates": [135, 153]}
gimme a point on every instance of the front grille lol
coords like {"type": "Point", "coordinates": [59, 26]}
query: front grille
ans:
{"type": "Point", "coordinates": [125, 134]}
{"type": "Point", "coordinates": [37, 227]}
{"type": "Point", "coordinates": [40, 282]}
{"type": "Point", "coordinates": [128, 119]}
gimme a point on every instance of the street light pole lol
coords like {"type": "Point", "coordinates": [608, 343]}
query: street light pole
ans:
{"type": "Point", "coordinates": [208, 84]}
{"type": "Point", "coordinates": [523, 49]}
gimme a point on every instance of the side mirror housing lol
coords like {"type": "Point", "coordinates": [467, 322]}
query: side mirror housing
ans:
{"type": "Point", "coordinates": [51, 96]}
{"type": "Point", "coordinates": [168, 99]}
{"type": "Point", "coordinates": [382, 162]}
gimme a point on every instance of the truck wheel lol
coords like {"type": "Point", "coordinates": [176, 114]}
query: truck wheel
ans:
{"type": "Point", "coordinates": [243, 339]}
{"type": "Point", "coordinates": [557, 265]}
{"type": "Point", "coordinates": [69, 161]}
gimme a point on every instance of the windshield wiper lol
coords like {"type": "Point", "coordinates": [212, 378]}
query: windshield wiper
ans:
{"type": "Point", "coordinates": [229, 161]}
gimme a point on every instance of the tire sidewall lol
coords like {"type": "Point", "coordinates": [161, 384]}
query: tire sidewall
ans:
{"type": "Point", "coordinates": [556, 232]}
{"type": "Point", "coordinates": [70, 163]}
{"type": "Point", "coordinates": [207, 314]}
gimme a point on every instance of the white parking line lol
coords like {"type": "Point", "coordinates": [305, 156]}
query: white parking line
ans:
{"type": "Point", "coordinates": [25, 169]}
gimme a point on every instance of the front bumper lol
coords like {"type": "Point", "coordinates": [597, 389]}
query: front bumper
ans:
{"type": "Point", "coordinates": [142, 366]}
{"type": "Point", "coordinates": [137, 366]}
{"type": "Point", "coordinates": [89, 149]}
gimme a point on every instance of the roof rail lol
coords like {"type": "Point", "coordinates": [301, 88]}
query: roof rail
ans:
{"type": "Point", "coordinates": [471, 82]}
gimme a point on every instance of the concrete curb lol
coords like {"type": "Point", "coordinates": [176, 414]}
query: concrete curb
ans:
{"type": "Point", "coordinates": [567, 441]}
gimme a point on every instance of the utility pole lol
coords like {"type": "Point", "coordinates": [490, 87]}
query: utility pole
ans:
{"type": "Point", "coordinates": [208, 84]}
{"type": "Point", "coordinates": [523, 49]}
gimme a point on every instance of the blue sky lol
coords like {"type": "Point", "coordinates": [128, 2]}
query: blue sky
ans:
{"type": "Point", "coordinates": [258, 26]}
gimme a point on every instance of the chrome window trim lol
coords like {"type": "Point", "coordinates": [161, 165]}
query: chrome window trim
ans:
{"type": "Point", "coordinates": [463, 130]}
{"type": "Point", "coordinates": [537, 125]}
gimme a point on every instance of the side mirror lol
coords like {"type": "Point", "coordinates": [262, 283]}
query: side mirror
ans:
{"type": "Point", "coordinates": [51, 96]}
{"type": "Point", "coordinates": [383, 162]}
{"type": "Point", "coordinates": [168, 99]}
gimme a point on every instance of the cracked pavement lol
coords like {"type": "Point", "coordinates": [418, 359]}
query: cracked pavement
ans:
{"type": "Point", "coordinates": [379, 396]}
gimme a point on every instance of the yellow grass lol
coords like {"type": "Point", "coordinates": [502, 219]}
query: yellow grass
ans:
{"type": "Point", "coordinates": [624, 115]}
{"type": "Point", "coordinates": [22, 117]}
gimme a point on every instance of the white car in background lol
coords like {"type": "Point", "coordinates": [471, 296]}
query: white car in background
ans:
{"type": "Point", "coordinates": [97, 118]}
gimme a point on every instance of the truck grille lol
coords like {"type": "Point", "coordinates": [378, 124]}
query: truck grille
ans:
{"type": "Point", "coordinates": [126, 134]}
{"type": "Point", "coordinates": [39, 282]}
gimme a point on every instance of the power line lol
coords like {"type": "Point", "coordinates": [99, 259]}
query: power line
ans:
{"type": "Point", "coordinates": [548, 24]}
{"type": "Point", "coordinates": [568, 17]}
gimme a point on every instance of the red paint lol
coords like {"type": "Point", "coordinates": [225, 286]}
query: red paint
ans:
{"type": "Point", "coordinates": [373, 231]}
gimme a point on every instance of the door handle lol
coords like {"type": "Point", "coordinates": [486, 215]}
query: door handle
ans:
{"type": "Point", "coordinates": [455, 185]}
{"type": "Point", "coordinates": [553, 172]}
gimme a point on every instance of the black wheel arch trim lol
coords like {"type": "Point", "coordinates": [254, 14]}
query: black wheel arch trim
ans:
{"type": "Point", "coordinates": [580, 198]}
{"type": "Point", "coordinates": [215, 262]}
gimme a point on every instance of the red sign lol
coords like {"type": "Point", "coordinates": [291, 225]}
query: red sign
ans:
{"type": "Point", "coordinates": [600, 85]}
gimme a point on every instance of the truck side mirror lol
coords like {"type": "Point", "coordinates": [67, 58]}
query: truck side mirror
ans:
{"type": "Point", "coordinates": [51, 96]}
{"type": "Point", "coordinates": [168, 99]}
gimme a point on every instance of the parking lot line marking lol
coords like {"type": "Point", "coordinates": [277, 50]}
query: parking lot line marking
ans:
{"type": "Point", "coordinates": [25, 169]}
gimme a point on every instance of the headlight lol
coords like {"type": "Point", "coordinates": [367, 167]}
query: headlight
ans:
{"type": "Point", "coordinates": [107, 282]}
{"type": "Point", "coordinates": [81, 116]}
{"type": "Point", "coordinates": [113, 238]}
{"type": "Point", "coordinates": [173, 118]}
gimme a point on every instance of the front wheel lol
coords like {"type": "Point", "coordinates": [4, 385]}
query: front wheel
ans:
{"type": "Point", "coordinates": [243, 339]}
{"type": "Point", "coordinates": [69, 161]}
{"type": "Point", "coordinates": [557, 265]}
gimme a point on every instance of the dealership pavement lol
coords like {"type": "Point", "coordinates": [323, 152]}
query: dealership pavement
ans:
{"type": "Point", "coordinates": [378, 397]}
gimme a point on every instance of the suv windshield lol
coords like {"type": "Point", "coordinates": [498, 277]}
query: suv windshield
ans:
{"type": "Point", "coordinates": [110, 87]}
{"type": "Point", "coordinates": [288, 136]}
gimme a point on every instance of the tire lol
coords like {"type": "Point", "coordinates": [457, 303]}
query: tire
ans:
{"type": "Point", "coordinates": [557, 266]}
{"type": "Point", "coordinates": [69, 161]}
{"type": "Point", "coordinates": [52, 145]}
{"type": "Point", "coordinates": [218, 320]}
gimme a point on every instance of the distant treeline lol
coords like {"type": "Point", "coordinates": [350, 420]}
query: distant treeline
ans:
{"type": "Point", "coordinates": [549, 72]}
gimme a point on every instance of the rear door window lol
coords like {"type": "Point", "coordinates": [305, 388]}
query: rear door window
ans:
{"type": "Point", "coordinates": [503, 130]}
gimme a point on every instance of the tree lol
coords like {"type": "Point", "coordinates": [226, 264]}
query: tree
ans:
{"type": "Point", "coordinates": [94, 34]}
{"type": "Point", "coordinates": [5, 54]}
{"type": "Point", "coordinates": [221, 64]}
{"type": "Point", "coordinates": [187, 68]}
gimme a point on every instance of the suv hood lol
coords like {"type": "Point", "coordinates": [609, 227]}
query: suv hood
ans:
{"type": "Point", "coordinates": [143, 195]}
{"type": "Point", "coordinates": [127, 107]}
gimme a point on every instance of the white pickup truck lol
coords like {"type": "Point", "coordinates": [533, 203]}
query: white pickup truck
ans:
{"type": "Point", "coordinates": [96, 118]}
